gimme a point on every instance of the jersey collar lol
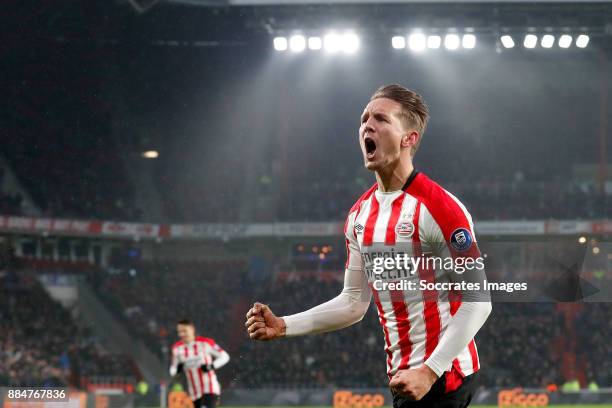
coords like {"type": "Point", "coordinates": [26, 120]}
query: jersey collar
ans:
{"type": "Point", "coordinates": [411, 177]}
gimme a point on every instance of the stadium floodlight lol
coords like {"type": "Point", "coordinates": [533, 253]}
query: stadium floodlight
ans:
{"type": "Point", "coordinates": [150, 154]}
{"type": "Point", "coordinates": [547, 41]}
{"type": "Point", "coordinates": [417, 42]}
{"type": "Point", "coordinates": [565, 41]}
{"type": "Point", "coordinates": [332, 43]}
{"type": "Point", "coordinates": [297, 43]}
{"type": "Point", "coordinates": [398, 42]}
{"type": "Point", "coordinates": [280, 44]}
{"type": "Point", "coordinates": [451, 42]}
{"type": "Point", "coordinates": [349, 43]}
{"type": "Point", "coordinates": [468, 41]}
{"type": "Point", "coordinates": [434, 42]}
{"type": "Point", "coordinates": [315, 43]}
{"type": "Point", "coordinates": [507, 41]}
{"type": "Point", "coordinates": [582, 41]}
{"type": "Point", "coordinates": [530, 41]}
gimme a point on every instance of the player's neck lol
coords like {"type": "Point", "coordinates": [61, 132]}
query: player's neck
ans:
{"type": "Point", "coordinates": [393, 179]}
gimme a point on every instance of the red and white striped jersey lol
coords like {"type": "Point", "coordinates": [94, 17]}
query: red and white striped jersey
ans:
{"type": "Point", "coordinates": [193, 355]}
{"type": "Point", "coordinates": [425, 220]}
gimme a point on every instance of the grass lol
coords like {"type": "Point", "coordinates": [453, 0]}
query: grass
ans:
{"type": "Point", "coordinates": [475, 406]}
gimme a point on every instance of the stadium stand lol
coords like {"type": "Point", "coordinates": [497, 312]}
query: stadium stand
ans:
{"type": "Point", "coordinates": [93, 184]}
{"type": "Point", "coordinates": [520, 338]}
{"type": "Point", "coordinates": [34, 352]}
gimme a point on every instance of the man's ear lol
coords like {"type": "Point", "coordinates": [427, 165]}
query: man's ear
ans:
{"type": "Point", "coordinates": [410, 139]}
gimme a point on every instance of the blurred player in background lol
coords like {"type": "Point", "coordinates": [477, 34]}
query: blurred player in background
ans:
{"type": "Point", "coordinates": [431, 353]}
{"type": "Point", "coordinates": [198, 357]}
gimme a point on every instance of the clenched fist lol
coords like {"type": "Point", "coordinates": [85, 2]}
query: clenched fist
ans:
{"type": "Point", "coordinates": [413, 383]}
{"type": "Point", "coordinates": [262, 324]}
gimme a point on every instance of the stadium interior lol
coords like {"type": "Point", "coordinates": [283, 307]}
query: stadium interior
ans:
{"type": "Point", "coordinates": [165, 159]}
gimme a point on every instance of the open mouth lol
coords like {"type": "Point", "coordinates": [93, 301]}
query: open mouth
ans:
{"type": "Point", "coordinates": [370, 147]}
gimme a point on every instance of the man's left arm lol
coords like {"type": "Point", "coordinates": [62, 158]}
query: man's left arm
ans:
{"type": "Point", "coordinates": [459, 243]}
{"type": "Point", "coordinates": [220, 356]}
{"type": "Point", "coordinates": [472, 313]}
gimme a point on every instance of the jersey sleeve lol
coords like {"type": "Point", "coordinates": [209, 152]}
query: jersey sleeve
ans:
{"type": "Point", "coordinates": [174, 361]}
{"type": "Point", "coordinates": [449, 232]}
{"type": "Point", "coordinates": [353, 254]}
{"type": "Point", "coordinates": [220, 356]}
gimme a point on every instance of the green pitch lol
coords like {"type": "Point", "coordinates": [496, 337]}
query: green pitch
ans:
{"type": "Point", "coordinates": [479, 406]}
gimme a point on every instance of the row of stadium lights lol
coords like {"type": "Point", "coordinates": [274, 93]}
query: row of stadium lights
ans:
{"type": "Point", "coordinates": [419, 42]}
{"type": "Point", "coordinates": [547, 41]}
{"type": "Point", "coordinates": [349, 42]}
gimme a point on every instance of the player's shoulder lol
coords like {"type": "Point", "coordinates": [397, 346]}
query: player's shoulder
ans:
{"type": "Point", "coordinates": [444, 207]}
{"type": "Point", "coordinates": [367, 194]}
{"type": "Point", "coordinates": [206, 340]}
{"type": "Point", "coordinates": [178, 344]}
{"type": "Point", "coordinates": [433, 194]}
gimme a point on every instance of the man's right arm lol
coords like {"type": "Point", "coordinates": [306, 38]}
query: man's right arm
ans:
{"type": "Point", "coordinates": [344, 310]}
{"type": "Point", "coordinates": [174, 365]}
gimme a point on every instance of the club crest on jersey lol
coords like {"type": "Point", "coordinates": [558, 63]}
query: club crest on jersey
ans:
{"type": "Point", "coordinates": [461, 239]}
{"type": "Point", "coordinates": [404, 229]}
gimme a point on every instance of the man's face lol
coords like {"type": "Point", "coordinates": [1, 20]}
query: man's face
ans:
{"type": "Point", "coordinates": [185, 332]}
{"type": "Point", "coordinates": [380, 133]}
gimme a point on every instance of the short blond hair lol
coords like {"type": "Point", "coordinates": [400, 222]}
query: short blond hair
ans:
{"type": "Point", "coordinates": [415, 113]}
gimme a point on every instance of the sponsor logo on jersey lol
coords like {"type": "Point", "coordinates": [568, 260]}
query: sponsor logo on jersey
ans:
{"type": "Point", "coordinates": [404, 229]}
{"type": "Point", "coordinates": [461, 239]}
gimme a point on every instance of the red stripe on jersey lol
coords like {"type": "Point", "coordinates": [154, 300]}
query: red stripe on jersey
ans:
{"type": "Point", "coordinates": [192, 382]}
{"type": "Point", "coordinates": [397, 297]}
{"type": "Point", "coordinates": [396, 209]}
{"type": "Point", "coordinates": [415, 222]}
{"type": "Point", "coordinates": [363, 197]}
{"type": "Point", "coordinates": [383, 322]}
{"type": "Point", "coordinates": [348, 255]}
{"type": "Point", "coordinates": [348, 251]}
{"type": "Point", "coordinates": [431, 313]}
{"type": "Point", "coordinates": [200, 374]}
{"type": "Point", "coordinates": [474, 355]}
{"type": "Point", "coordinates": [457, 366]}
{"type": "Point", "coordinates": [186, 351]}
{"type": "Point", "coordinates": [403, 327]}
{"type": "Point", "coordinates": [368, 233]}
{"type": "Point", "coordinates": [454, 379]}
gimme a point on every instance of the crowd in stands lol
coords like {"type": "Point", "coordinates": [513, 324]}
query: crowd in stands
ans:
{"type": "Point", "coordinates": [60, 150]}
{"type": "Point", "coordinates": [80, 178]}
{"type": "Point", "coordinates": [516, 345]}
{"type": "Point", "coordinates": [168, 292]}
{"type": "Point", "coordinates": [325, 200]}
{"type": "Point", "coordinates": [593, 327]}
{"type": "Point", "coordinates": [94, 184]}
{"type": "Point", "coordinates": [42, 345]}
